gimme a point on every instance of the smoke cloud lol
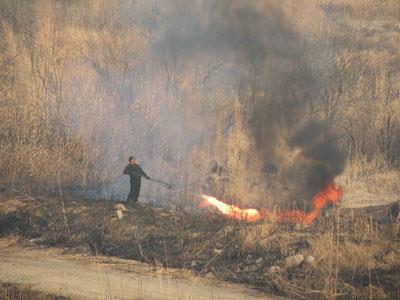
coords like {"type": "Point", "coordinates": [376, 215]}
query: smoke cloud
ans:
{"type": "Point", "coordinates": [284, 84]}
{"type": "Point", "coordinates": [161, 81]}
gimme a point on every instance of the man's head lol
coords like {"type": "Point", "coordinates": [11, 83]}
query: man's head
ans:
{"type": "Point", "coordinates": [132, 160]}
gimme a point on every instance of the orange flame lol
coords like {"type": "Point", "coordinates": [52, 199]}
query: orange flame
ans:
{"type": "Point", "coordinates": [330, 194]}
{"type": "Point", "coordinates": [235, 212]}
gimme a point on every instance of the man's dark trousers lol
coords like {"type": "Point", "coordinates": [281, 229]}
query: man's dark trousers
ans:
{"type": "Point", "coordinates": [135, 191]}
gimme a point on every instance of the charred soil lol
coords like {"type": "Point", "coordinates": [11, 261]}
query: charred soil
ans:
{"type": "Point", "coordinates": [10, 291]}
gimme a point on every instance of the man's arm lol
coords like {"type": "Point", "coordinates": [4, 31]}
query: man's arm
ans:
{"type": "Point", "coordinates": [126, 170]}
{"type": "Point", "coordinates": [143, 173]}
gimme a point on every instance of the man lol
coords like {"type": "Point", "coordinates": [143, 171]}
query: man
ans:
{"type": "Point", "coordinates": [135, 172]}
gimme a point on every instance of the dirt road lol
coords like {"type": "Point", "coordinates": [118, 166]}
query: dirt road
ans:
{"type": "Point", "coordinates": [80, 277]}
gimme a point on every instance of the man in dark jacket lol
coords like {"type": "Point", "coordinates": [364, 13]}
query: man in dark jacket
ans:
{"type": "Point", "coordinates": [135, 172]}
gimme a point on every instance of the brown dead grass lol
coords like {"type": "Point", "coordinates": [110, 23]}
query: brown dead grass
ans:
{"type": "Point", "coordinates": [369, 183]}
{"type": "Point", "coordinates": [354, 253]}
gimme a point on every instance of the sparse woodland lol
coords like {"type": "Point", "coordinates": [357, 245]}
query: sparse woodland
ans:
{"type": "Point", "coordinates": [84, 84]}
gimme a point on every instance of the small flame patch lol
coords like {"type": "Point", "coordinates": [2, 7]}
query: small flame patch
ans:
{"type": "Point", "coordinates": [331, 194]}
{"type": "Point", "coordinates": [233, 211]}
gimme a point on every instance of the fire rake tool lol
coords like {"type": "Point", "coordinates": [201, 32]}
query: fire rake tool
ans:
{"type": "Point", "coordinates": [167, 185]}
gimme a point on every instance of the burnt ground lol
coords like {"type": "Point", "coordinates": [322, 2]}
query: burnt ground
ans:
{"type": "Point", "coordinates": [10, 291]}
{"type": "Point", "coordinates": [345, 254]}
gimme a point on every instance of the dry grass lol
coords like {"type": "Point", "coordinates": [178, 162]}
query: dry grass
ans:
{"type": "Point", "coordinates": [57, 105]}
{"type": "Point", "coordinates": [369, 183]}
{"type": "Point", "coordinates": [62, 87]}
{"type": "Point", "coordinates": [355, 253]}
{"type": "Point", "coordinates": [367, 9]}
{"type": "Point", "coordinates": [257, 236]}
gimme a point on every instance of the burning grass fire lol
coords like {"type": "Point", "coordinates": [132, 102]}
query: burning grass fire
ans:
{"type": "Point", "coordinates": [331, 194]}
{"type": "Point", "coordinates": [235, 212]}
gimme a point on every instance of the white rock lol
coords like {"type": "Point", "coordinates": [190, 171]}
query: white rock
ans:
{"type": "Point", "coordinates": [196, 234]}
{"type": "Point", "coordinates": [309, 260]}
{"type": "Point", "coordinates": [210, 275]}
{"type": "Point", "coordinates": [120, 206]}
{"type": "Point", "coordinates": [294, 261]}
{"type": "Point", "coordinates": [120, 215]}
{"type": "Point", "coordinates": [193, 263]}
{"type": "Point", "coordinates": [218, 251]}
{"type": "Point", "coordinates": [274, 270]}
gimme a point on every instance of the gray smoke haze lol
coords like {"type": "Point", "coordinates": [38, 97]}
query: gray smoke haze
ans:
{"type": "Point", "coordinates": [163, 99]}
{"type": "Point", "coordinates": [264, 42]}
{"type": "Point", "coordinates": [231, 27]}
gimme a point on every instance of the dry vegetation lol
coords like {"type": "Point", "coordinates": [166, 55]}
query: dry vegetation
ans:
{"type": "Point", "coordinates": [83, 84]}
{"type": "Point", "coordinates": [348, 254]}
{"type": "Point", "coordinates": [69, 70]}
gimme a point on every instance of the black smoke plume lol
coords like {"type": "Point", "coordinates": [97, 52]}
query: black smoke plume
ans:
{"type": "Point", "coordinates": [284, 84]}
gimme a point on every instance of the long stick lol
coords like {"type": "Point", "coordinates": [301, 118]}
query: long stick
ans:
{"type": "Point", "coordinates": [162, 182]}
{"type": "Point", "coordinates": [169, 186]}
